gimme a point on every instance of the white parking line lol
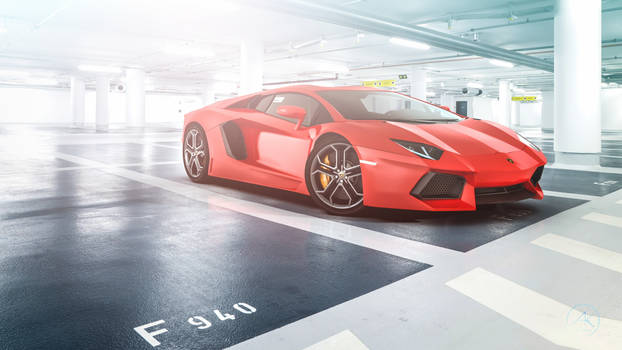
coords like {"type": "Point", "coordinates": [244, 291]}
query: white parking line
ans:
{"type": "Point", "coordinates": [397, 246]}
{"type": "Point", "coordinates": [592, 168]}
{"type": "Point", "coordinates": [585, 197]}
{"type": "Point", "coordinates": [159, 145]}
{"type": "Point", "coordinates": [590, 253]}
{"type": "Point", "coordinates": [556, 322]}
{"type": "Point", "coordinates": [343, 340]}
{"type": "Point", "coordinates": [604, 219]}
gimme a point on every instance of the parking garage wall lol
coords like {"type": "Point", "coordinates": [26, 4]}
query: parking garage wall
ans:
{"type": "Point", "coordinates": [52, 106]}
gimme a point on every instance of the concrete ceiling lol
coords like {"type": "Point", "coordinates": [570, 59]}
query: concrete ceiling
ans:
{"type": "Point", "coordinates": [50, 38]}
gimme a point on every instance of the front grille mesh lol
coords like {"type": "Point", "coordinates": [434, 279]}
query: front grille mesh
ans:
{"type": "Point", "coordinates": [439, 186]}
{"type": "Point", "coordinates": [504, 194]}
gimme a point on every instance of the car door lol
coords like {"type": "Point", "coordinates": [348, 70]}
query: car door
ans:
{"type": "Point", "coordinates": [279, 146]}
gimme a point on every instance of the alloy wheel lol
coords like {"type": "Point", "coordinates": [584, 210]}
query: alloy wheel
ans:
{"type": "Point", "coordinates": [336, 176]}
{"type": "Point", "coordinates": [194, 152]}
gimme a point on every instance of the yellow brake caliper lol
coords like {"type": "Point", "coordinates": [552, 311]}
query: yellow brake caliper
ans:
{"type": "Point", "coordinates": [325, 179]}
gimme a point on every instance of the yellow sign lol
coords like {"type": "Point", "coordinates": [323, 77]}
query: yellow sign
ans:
{"type": "Point", "coordinates": [524, 98]}
{"type": "Point", "coordinates": [379, 83]}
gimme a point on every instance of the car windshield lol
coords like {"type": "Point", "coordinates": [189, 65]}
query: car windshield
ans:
{"type": "Point", "coordinates": [385, 105]}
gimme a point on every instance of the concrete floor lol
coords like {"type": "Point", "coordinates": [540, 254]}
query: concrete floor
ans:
{"type": "Point", "coordinates": [102, 238]}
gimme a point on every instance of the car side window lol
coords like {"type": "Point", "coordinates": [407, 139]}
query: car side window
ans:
{"type": "Point", "coordinates": [264, 103]}
{"type": "Point", "coordinates": [316, 113]}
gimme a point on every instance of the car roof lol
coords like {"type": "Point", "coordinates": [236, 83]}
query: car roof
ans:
{"type": "Point", "coordinates": [291, 88]}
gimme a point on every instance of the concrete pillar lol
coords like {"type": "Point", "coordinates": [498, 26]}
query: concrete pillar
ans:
{"type": "Point", "coordinates": [505, 102]}
{"type": "Point", "coordinates": [251, 66]}
{"type": "Point", "coordinates": [514, 114]}
{"type": "Point", "coordinates": [577, 80]}
{"type": "Point", "coordinates": [547, 111]}
{"type": "Point", "coordinates": [418, 85]}
{"type": "Point", "coordinates": [78, 91]}
{"type": "Point", "coordinates": [102, 90]}
{"type": "Point", "coordinates": [135, 98]}
{"type": "Point", "coordinates": [447, 101]}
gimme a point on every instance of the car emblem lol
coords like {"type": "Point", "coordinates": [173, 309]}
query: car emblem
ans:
{"type": "Point", "coordinates": [510, 161]}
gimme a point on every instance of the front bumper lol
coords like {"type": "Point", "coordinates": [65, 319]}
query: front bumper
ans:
{"type": "Point", "coordinates": [452, 183]}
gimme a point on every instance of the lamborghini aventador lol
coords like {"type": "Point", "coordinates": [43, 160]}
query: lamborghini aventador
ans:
{"type": "Point", "coordinates": [350, 147]}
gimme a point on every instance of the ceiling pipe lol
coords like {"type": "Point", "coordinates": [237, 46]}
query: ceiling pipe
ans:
{"type": "Point", "coordinates": [389, 27]}
{"type": "Point", "coordinates": [526, 21]}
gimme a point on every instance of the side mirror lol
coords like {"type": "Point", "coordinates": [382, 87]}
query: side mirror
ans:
{"type": "Point", "coordinates": [293, 112]}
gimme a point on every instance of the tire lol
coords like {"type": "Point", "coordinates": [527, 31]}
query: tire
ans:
{"type": "Point", "coordinates": [195, 153]}
{"type": "Point", "coordinates": [333, 176]}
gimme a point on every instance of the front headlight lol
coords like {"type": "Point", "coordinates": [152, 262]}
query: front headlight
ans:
{"type": "Point", "coordinates": [421, 149]}
{"type": "Point", "coordinates": [527, 142]}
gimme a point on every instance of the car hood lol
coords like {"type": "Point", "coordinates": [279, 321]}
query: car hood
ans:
{"type": "Point", "coordinates": [467, 137]}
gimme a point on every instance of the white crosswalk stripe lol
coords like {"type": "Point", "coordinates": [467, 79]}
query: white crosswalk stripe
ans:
{"type": "Point", "coordinates": [592, 254]}
{"type": "Point", "coordinates": [563, 325]}
{"type": "Point", "coordinates": [340, 341]}
{"type": "Point", "coordinates": [604, 219]}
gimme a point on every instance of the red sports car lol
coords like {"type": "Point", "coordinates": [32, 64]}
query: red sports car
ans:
{"type": "Point", "coordinates": [350, 147]}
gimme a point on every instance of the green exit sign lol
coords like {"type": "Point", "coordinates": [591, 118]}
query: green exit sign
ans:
{"type": "Point", "coordinates": [403, 76]}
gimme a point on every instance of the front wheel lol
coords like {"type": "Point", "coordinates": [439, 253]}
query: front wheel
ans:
{"type": "Point", "coordinates": [334, 178]}
{"type": "Point", "coordinates": [196, 153]}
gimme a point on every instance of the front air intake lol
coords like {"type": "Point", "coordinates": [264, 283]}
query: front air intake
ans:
{"type": "Point", "coordinates": [537, 175]}
{"type": "Point", "coordinates": [439, 186]}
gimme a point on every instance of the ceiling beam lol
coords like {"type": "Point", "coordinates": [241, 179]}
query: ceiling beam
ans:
{"type": "Point", "coordinates": [375, 24]}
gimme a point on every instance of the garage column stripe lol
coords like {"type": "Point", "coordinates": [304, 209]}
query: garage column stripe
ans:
{"type": "Point", "coordinates": [592, 254]}
{"type": "Point", "coordinates": [401, 247]}
{"type": "Point", "coordinates": [538, 313]}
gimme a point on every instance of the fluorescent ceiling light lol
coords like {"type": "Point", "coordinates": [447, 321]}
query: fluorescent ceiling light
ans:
{"type": "Point", "coordinates": [187, 50]}
{"type": "Point", "coordinates": [475, 85]}
{"type": "Point", "coordinates": [430, 93]}
{"type": "Point", "coordinates": [604, 85]}
{"type": "Point", "coordinates": [409, 43]}
{"type": "Point", "coordinates": [2, 29]}
{"type": "Point", "coordinates": [500, 63]}
{"type": "Point", "coordinates": [98, 69]}
{"type": "Point", "coordinates": [428, 80]}
{"type": "Point", "coordinates": [519, 90]}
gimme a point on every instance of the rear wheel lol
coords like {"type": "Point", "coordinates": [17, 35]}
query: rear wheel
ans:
{"type": "Point", "coordinates": [334, 177]}
{"type": "Point", "coordinates": [196, 153]}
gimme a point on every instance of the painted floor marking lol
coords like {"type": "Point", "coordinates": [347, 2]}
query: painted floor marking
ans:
{"type": "Point", "coordinates": [84, 167]}
{"type": "Point", "coordinates": [405, 248]}
{"type": "Point", "coordinates": [158, 145]}
{"type": "Point", "coordinates": [604, 219]}
{"type": "Point", "coordinates": [340, 341]}
{"type": "Point", "coordinates": [585, 197]}
{"type": "Point", "coordinates": [556, 322]}
{"type": "Point", "coordinates": [590, 253]}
